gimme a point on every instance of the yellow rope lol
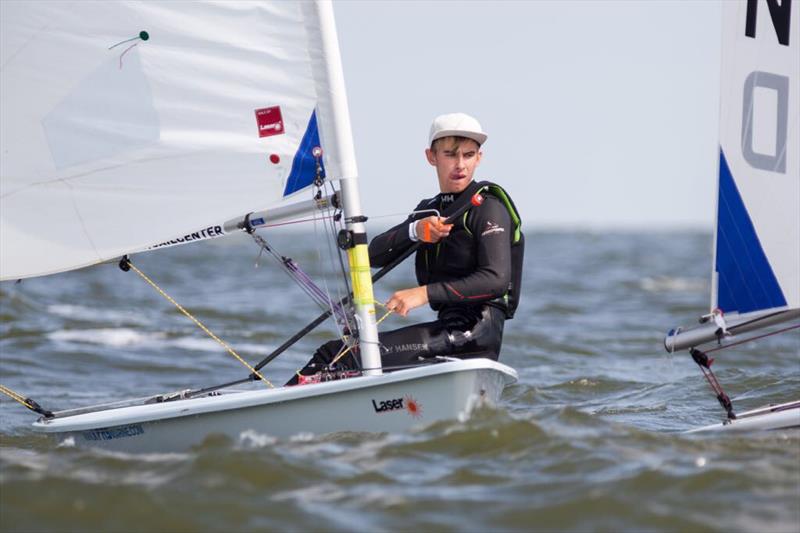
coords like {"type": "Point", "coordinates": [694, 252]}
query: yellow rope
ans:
{"type": "Point", "coordinates": [199, 324]}
{"type": "Point", "coordinates": [388, 312]}
{"type": "Point", "coordinates": [13, 395]}
{"type": "Point", "coordinates": [345, 352]}
{"type": "Point", "coordinates": [342, 354]}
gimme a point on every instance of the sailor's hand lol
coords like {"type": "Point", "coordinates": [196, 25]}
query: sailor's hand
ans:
{"type": "Point", "coordinates": [432, 229]}
{"type": "Point", "coordinates": [404, 301]}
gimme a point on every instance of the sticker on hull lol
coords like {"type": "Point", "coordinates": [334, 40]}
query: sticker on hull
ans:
{"type": "Point", "coordinates": [406, 403]}
{"type": "Point", "coordinates": [119, 432]}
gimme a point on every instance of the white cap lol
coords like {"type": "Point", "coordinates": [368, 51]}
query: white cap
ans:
{"type": "Point", "coordinates": [457, 125]}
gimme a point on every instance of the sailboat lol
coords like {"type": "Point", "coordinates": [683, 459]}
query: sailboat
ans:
{"type": "Point", "coordinates": [756, 274]}
{"type": "Point", "coordinates": [128, 127]}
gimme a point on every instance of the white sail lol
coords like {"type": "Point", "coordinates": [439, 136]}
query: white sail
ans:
{"type": "Point", "coordinates": [130, 124]}
{"type": "Point", "coordinates": [757, 245]}
{"type": "Point", "coordinates": [756, 273]}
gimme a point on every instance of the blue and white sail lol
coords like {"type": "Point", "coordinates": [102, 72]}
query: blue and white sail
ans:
{"type": "Point", "coordinates": [756, 274]}
{"type": "Point", "coordinates": [127, 125]}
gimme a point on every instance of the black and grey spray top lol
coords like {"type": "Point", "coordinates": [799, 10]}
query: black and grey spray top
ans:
{"type": "Point", "coordinates": [473, 265]}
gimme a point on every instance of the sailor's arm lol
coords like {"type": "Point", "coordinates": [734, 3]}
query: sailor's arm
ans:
{"type": "Point", "coordinates": [385, 247]}
{"type": "Point", "coordinates": [392, 243]}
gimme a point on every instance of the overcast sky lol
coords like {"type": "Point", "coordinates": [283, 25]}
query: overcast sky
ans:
{"type": "Point", "coordinates": [599, 114]}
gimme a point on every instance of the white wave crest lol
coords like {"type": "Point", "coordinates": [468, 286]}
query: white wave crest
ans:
{"type": "Point", "coordinates": [94, 314]}
{"type": "Point", "coordinates": [68, 442]}
{"type": "Point", "coordinates": [670, 284]}
{"type": "Point", "coordinates": [116, 337]}
{"type": "Point", "coordinates": [252, 439]}
{"type": "Point", "coordinates": [122, 337]}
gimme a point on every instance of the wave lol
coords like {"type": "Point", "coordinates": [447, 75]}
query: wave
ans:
{"type": "Point", "coordinates": [128, 337]}
{"type": "Point", "coordinates": [673, 284]}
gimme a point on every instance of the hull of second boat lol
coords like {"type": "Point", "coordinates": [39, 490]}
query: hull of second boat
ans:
{"type": "Point", "coordinates": [783, 416]}
{"type": "Point", "coordinates": [373, 405]}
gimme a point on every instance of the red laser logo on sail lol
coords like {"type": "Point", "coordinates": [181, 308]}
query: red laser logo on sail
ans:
{"type": "Point", "coordinates": [270, 121]}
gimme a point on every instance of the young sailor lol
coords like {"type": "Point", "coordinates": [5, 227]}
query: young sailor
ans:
{"type": "Point", "coordinates": [469, 271]}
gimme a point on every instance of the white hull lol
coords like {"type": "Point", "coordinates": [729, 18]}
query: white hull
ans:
{"type": "Point", "coordinates": [413, 397]}
{"type": "Point", "coordinates": [782, 416]}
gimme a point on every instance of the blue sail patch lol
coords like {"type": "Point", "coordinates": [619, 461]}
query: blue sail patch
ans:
{"type": "Point", "coordinates": [304, 165]}
{"type": "Point", "coordinates": [746, 281]}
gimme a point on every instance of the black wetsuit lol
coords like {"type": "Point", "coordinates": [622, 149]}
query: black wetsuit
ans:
{"type": "Point", "coordinates": [467, 276]}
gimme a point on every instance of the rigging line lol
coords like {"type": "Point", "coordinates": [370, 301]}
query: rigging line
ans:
{"type": "Point", "coordinates": [385, 315]}
{"type": "Point", "coordinates": [388, 311]}
{"type": "Point", "coordinates": [322, 298]}
{"type": "Point", "coordinates": [13, 395]}
{"type": "Point", "coordinates": [705, 362]}
{"type": "Point", "coordinates": [752, 339]}
{"type": "Point", "coordinates": [347, 289]}
{"type": "Point", "coordinates": [408, 213]}
{"type": "Point", "coordinates": [330, 223]}
{"type": "Point", "coordinates": [294, 272]}
{"type": "Point", "coordinates": [340, 285]}
{"type": "Point", "coordinates": [199, 324]}
{"type": "Point", "coordinates": [342, 354]}
{"type": "Point", "coordinates": [290, 222]}
{"type": "Point", "coordinates": [27, 402]}
{"type": "Point", "coordinates": [733, 329]}
{"type": "Point", "coordinates": [331, 311]}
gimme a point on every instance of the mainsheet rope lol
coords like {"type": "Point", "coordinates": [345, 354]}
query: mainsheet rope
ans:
{"type": "Point", "coordinates": [731, 344]}
{"type": "Point", "coordinates": [27, 402]}
{"type": "Point", "coordinates": [199, 324]}
{"type": "Point", "coordinates": [704, 362]}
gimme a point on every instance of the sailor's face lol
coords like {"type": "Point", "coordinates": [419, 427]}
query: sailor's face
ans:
{"type": "Point", "coordinates": [455, 164]}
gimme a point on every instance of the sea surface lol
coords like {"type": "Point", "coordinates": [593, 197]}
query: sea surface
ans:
{"type": "Point", "coordinates": [589, 439]}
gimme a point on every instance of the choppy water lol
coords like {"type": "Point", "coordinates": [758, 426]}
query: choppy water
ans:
{"type": "Point", "coordinates": [589, 439]}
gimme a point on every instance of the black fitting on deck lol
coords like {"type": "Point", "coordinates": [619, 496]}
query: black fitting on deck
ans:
{"type": "Point", "coordinates": [33, 406]}
{"type": "Point", "coordinates": [125, 264]}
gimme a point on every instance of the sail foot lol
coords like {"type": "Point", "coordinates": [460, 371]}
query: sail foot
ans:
{"type": "Point", "coordinates": [679, 339]}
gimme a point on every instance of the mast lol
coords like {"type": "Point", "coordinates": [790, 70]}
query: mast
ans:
{"type": "Point", "coordinates": [337, 136]}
